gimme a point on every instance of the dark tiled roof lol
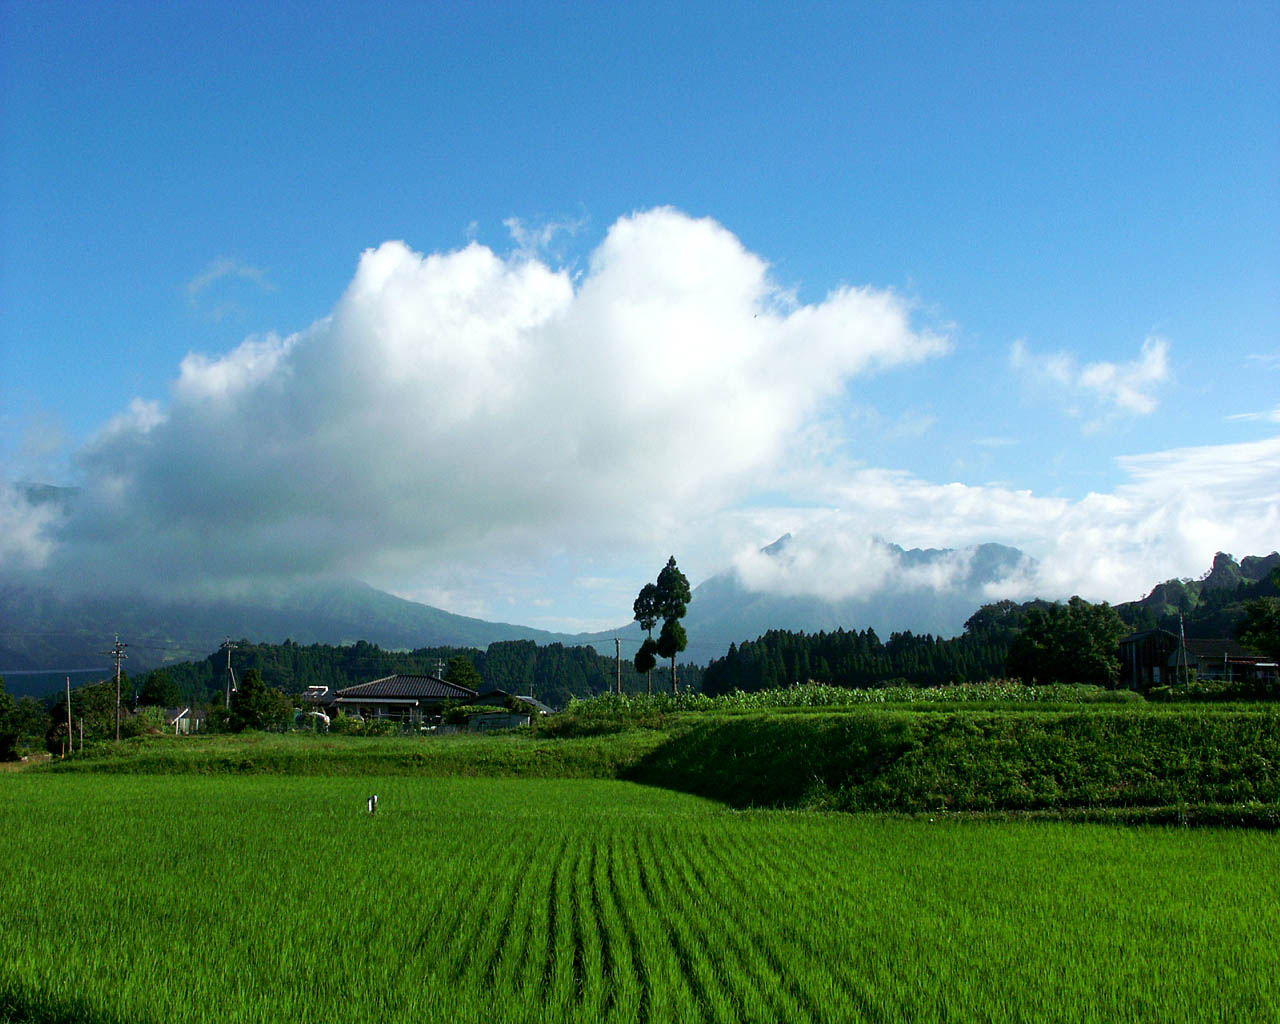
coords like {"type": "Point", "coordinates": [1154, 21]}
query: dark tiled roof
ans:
{"type": "Point", "coordinates": [1220, 647]}
{"type": "Point", "coordinates": [1135, 637]}
{"type": "Point", "coordinates": [409, 686]}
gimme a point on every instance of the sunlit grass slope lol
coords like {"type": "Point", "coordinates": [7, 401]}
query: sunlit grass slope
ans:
{"type": "Point", "coordinates": [979, 761]}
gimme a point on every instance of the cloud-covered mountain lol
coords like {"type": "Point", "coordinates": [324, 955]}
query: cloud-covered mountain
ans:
{"type": "Point", "coordinates": [888, 588]}
{"type": "Point", "coordinates": [517, 437]}
{"type": "Point", "coordinates": [801, 583]}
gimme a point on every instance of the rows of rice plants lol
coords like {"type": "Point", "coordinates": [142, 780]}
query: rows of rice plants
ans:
{"type": "Point", "coordinates": [267, 898]}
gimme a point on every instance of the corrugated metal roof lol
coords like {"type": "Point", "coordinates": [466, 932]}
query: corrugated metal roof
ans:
{"type": "Point", "coordinates": [409, 686]}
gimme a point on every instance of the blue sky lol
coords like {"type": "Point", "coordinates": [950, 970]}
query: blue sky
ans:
{"type": "Point", "coordinates": [1071, 210]}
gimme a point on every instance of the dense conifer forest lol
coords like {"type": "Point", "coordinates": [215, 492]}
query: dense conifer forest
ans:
{"type": "Point", "coordinates": [859, 658]}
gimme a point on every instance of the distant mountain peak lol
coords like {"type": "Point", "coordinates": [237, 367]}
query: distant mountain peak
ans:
{"type": "Point", "coordinates": [778, 546]}
{"type": "Point", "coordinates": [1224, 574]}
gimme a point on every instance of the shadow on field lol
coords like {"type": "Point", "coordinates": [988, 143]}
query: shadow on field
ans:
{"type": "Point", "coordinates": [780, 762]}
{"type": "Point", "coordinates": [19, 1006]}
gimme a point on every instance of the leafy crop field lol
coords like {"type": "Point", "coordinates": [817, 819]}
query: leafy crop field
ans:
{"type": "Point", "coordinates": [264, 898]}
{"type": "Point", "coordinates": [991, 694]}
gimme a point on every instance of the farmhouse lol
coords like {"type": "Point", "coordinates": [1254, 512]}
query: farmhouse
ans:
{"type": "Point", "coordinates": [405, 698]}
{"type": "Point", "coordinates": [1228, 662]}
{"type": "Point", "coordinates": [1156, 657]}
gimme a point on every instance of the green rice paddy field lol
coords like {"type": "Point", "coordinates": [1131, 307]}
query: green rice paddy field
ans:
{"type": "Point", "coordinates": [168, 898]}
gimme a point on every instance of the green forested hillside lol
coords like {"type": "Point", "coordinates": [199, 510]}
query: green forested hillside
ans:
{"type": "Point", "coordinates": [1212, 606]}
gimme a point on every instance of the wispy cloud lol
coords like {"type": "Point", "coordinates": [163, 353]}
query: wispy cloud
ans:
{"type": "Point", "coordinates": [226, 268]}
{"type": "Point", "coordinates": [1257, 417]}
{"type": "Point", "coordinates": [1098, 392]}
{"type": "Point", "coordinates": [537, 239]}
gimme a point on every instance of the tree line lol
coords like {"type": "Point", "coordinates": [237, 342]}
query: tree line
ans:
{"type": "Point", "coordinates": [1072, 642]}
{"type": "Point", "coordinates": [552, 673]}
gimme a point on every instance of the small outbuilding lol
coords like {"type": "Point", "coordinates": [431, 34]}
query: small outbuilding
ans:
{"type": "Point", "coordinates": [320, 698]}
{"type": "Point", "coordinates": [513, 702]}
{"type": "Point", "coordinates": [1157, 657]}
{"type": "Point", "coordinates": [183, 721]}
{"type": "Point", "coordinates": [1144, 659]}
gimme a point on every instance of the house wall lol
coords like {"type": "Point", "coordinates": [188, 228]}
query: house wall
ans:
{"type": "Point", "coordinates": [1144, 663]}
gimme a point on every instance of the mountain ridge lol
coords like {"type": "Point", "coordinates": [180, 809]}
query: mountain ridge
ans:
{"type": "Point", "coordinates": [42, 631]}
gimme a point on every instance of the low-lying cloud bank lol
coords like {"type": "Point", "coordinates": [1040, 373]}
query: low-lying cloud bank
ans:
{"type": "Point", "coordinates": [1176, 509]}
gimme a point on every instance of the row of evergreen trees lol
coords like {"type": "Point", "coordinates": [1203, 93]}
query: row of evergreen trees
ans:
{"type": "Point", "coordinates": [854, 658]}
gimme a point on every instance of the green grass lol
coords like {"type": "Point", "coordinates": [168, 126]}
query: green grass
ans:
{"type": "Point", "coordinates": [262, 898]}
{"type": "Point", "coordinates": [1186, 763]}
{"type": "Point", "coordinates": [310, 754]}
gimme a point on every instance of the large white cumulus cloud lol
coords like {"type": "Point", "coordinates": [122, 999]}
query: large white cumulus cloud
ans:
{"type": "Point", "coordinates": [459, 404]}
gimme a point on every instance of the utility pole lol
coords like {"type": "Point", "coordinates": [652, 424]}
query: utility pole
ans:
{"type": "Point", "coordinates": [69, 715]}
{"type": "Point", "coordinates": [1181, 665]}
{"type": "Point", "coordinates": [617, 643]}
{"type": "Point", "coordinates": [228, 646]}
{"type": "Point", "coordinates": [116, 652]}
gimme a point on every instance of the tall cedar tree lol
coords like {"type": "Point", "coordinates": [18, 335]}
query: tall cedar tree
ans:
{"type": "Point", "coordinates": [671, 602]}
{"type": "Point", "coordinates": [646, 613]}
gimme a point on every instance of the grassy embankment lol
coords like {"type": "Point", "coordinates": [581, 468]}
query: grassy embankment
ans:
{"type": "Point", "coordinates": [1075, 752]}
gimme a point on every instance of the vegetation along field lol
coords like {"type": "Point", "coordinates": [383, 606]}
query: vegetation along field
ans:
{"type": "Point", "coordinates": [266, 898]}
